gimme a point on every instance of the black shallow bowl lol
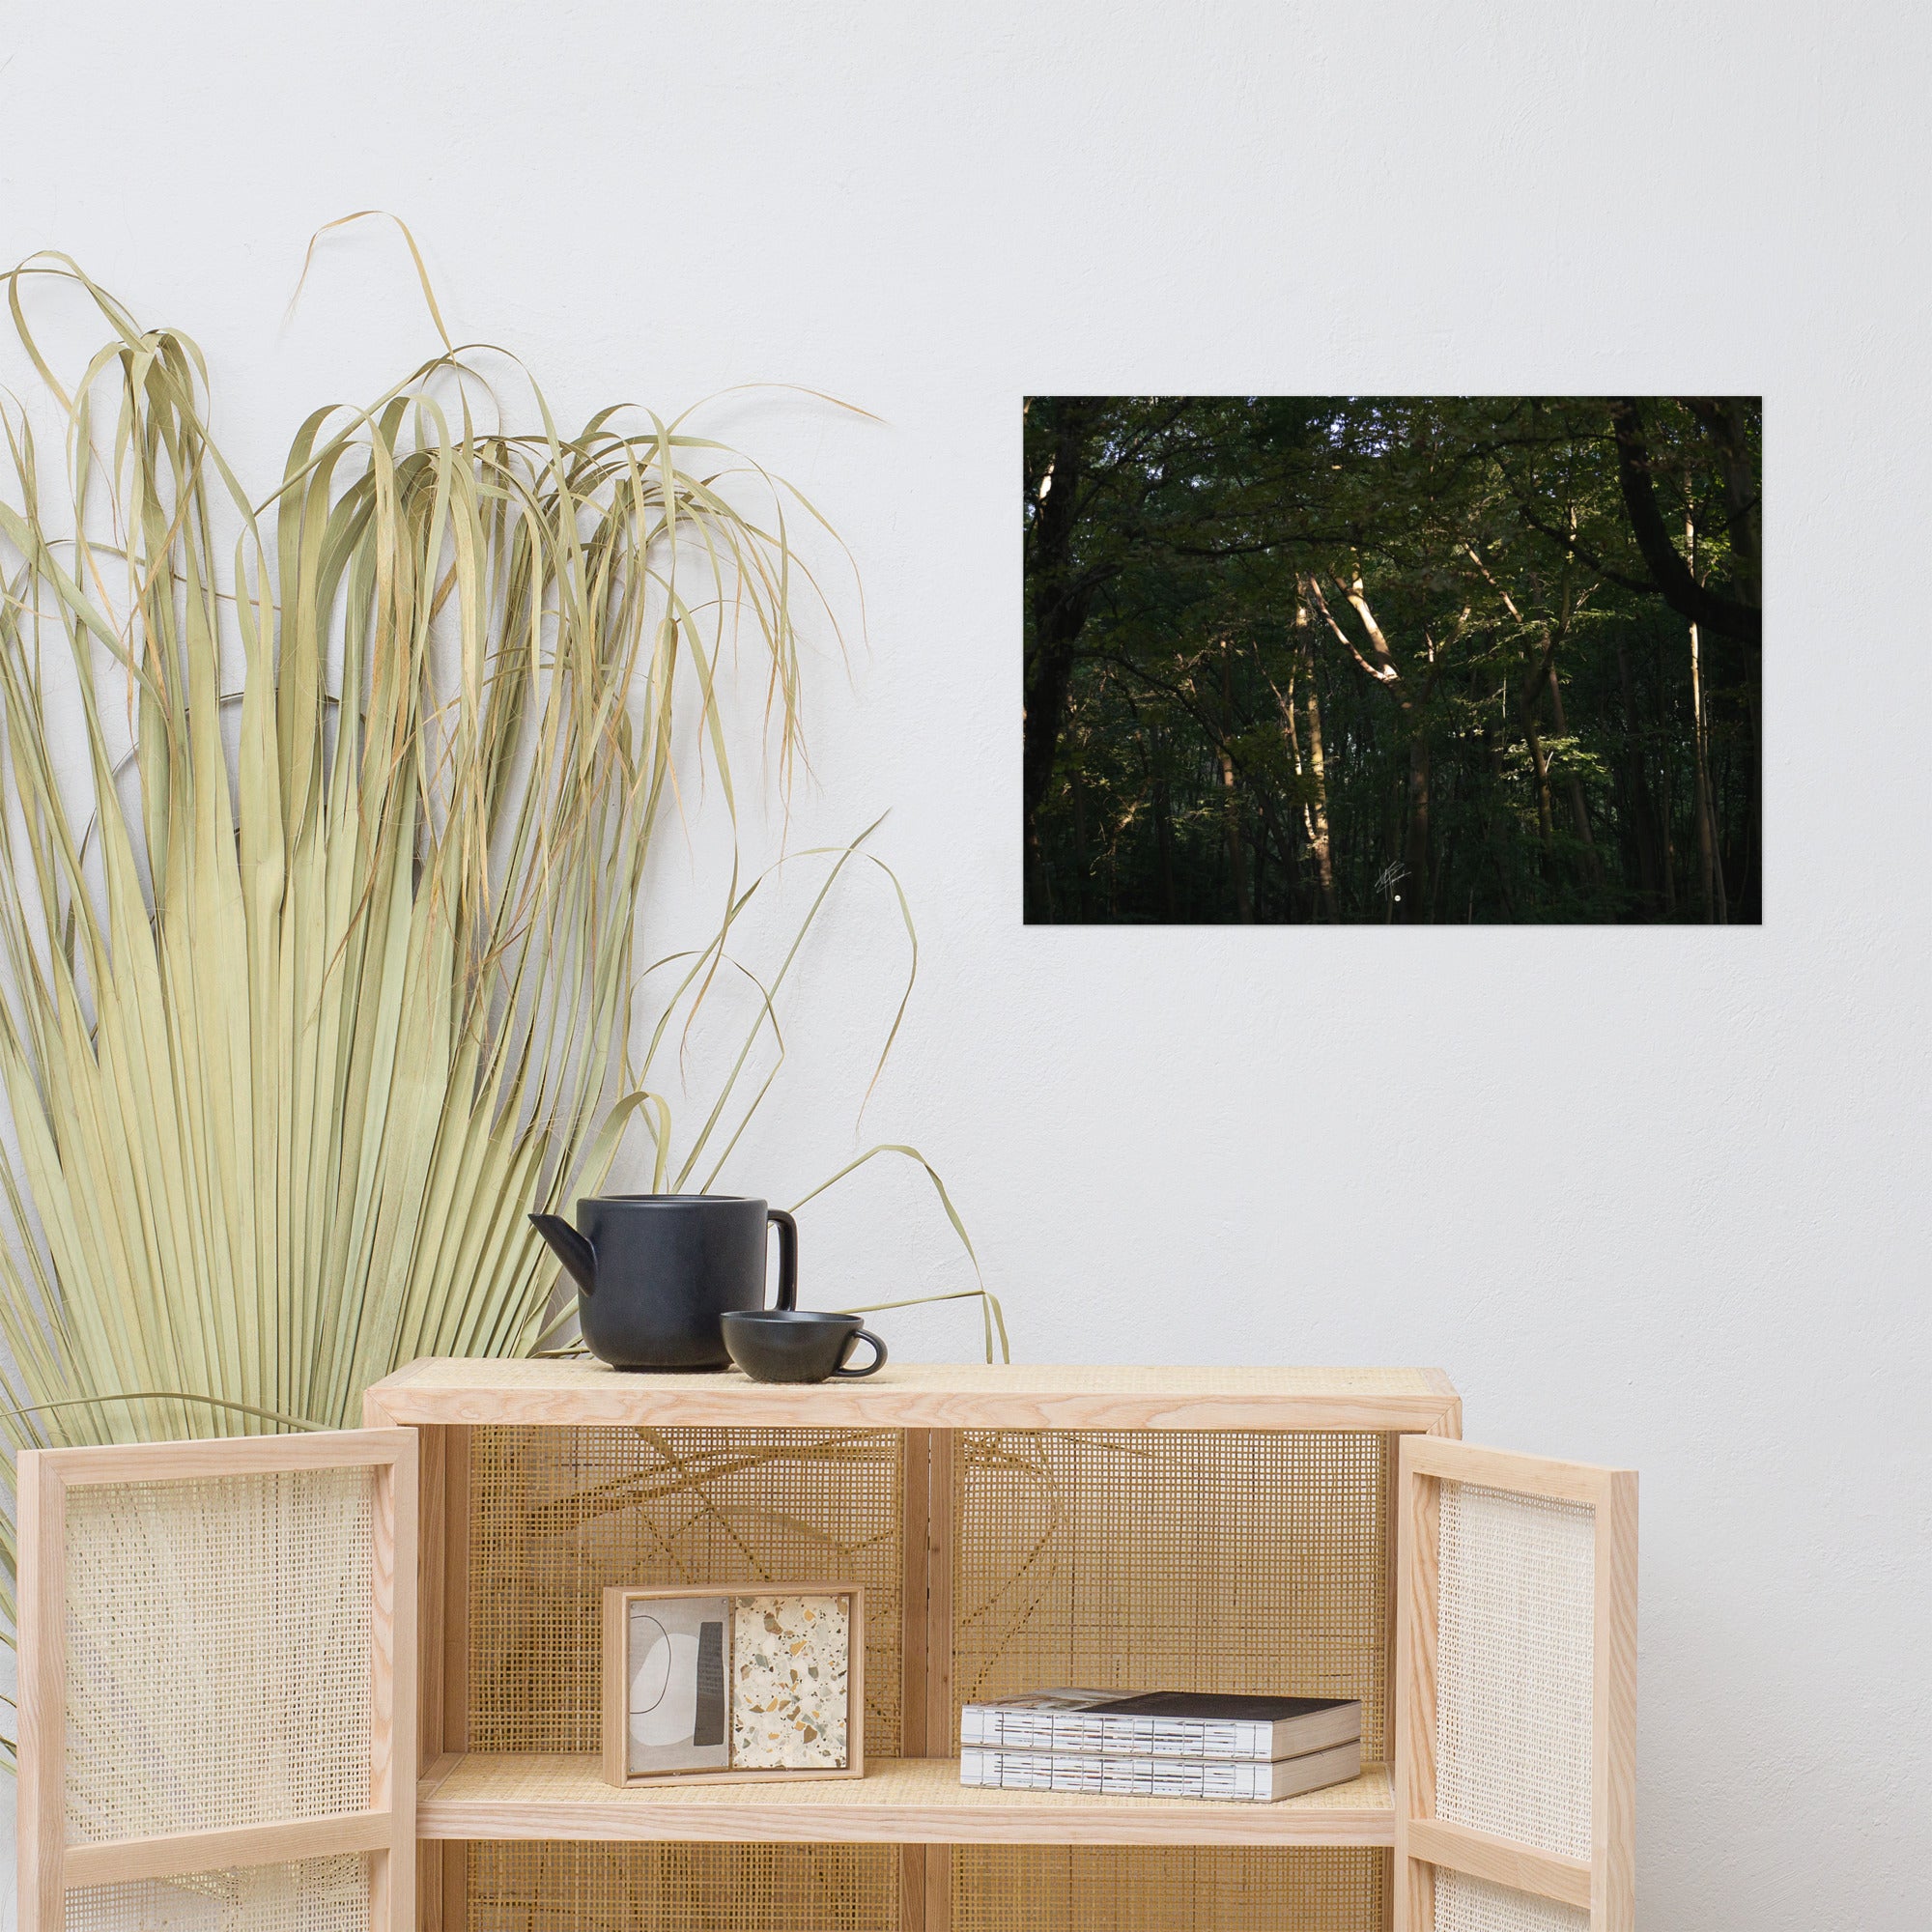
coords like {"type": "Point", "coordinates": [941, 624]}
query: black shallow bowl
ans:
{"type": "Point", "coordinates": [792, 1345]}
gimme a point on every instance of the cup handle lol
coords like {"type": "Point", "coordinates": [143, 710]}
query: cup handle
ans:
{"type": "Point", "coordinates": [872, 1367]}
{"type": "Point", "coordinates": [787, 1257]}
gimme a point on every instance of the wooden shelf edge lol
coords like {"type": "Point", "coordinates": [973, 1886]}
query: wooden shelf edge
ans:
{"type": "Point", "coordinates": [899, 1802]}
{"type": "Point", "coordinates": [521, 1394]}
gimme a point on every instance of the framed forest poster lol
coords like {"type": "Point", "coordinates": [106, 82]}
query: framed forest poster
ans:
{"type": "Point", "coordinates": [1411, 660]}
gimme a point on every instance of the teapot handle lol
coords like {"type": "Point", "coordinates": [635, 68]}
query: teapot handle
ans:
{"type": "Point", "coordinates": [787, 1258]}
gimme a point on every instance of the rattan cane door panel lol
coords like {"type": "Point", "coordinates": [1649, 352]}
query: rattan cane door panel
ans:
{"type": "Point", "coordinates": [205, 1691]}
{"type": "Point", "coordinates": [1514, 1666]}
{"type": "Point", "coordinates": [310, 1895]}
{"type": "Point", "coordinates": [1465, 1904]}
{"type": "Point", "coordinates": [217, 1699]}
{"type": "Point", "coordinates": [1208, 1560]}
{"type": "Point", "coordinates": [1515, 1693]}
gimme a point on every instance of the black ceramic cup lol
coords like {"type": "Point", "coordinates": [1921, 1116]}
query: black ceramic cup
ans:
{"type": "Point", "coordinates": [792, 1345]}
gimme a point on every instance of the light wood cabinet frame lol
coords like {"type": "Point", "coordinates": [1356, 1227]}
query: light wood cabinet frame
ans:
{"type": "Point", "coordinates": [1604, 1885]}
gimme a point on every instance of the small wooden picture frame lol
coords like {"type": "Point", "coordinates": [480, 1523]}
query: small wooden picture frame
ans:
{"type": "Point", "coordinates": [746, 1683]}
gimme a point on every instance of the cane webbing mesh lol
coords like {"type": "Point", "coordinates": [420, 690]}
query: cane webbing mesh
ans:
{"type": "Point", "coordinates": [1513, 1666]}
{"type": "Point", "coordinates": [559, 1514]}
{"type": "Point", "coordinates": [1465, 1904]}
{"type": "Point", "coordinates": [538, 1887]}
{"type": "Point", "coordinates": [1202, 1560]}
{"type": "Point", "coordinates": [312, 1895]}
{"type": "Point", "coordinates": [1142, 1889]}
{"type": "Point", "coordinates": [1242, 1561]}
{"type": "Point", "coordinates": [217, 1652]}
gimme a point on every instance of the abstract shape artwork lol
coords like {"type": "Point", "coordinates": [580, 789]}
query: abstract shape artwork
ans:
{"type": "Point", "coordinates": [676, 1685]}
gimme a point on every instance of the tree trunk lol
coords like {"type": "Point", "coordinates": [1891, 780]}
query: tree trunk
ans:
{"type": "Point", "coordinates": [1231, 798]}
{"type": "Point", "coordinates": [1258, 865]}
{"type": "Point", "coordinates": [1580, 811]}
{"type": "Point", "coordinates": [1725, 423]}
{"type": "Point", "coordinates": [1230, 813]}
{"type": "Point", "coordinates": [1644, 838]}
{"type": "Point", "coordinates": [1163, 826]}
{"type": "Point", "coordinates": [1083, 860]}
{"type": "Point", "coordinates": [1444, 872]}
{"type": "Point", "coordinates": [1318, 811]}
{"type": "Point", "coordinates": [1741, 492]}
{"type": "Point", "coordinates": [1387, 673]}
{"type": "Point", "coordinates": [1545, 823]}
{"type": "Point", "coordinates": [1710, 871]}
{"type": "Point", "coordinates": [1710, 878]}
{"type": "Point", "coordinates": [1061, 598]}
{"type": "Point", "coordinates": [1499, 774]}
{"type": "Point", "coordinates": [1292, 733]}
{"type": "Point", "coordinates": [1415, 857]}
{"type": "Point", "coordinates": [1313, 774]}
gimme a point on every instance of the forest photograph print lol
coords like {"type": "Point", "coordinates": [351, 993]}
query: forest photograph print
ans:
{"type": "Point", "coordinates": [1421, 660]}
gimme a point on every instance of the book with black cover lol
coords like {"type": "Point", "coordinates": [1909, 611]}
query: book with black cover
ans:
{"type": "Point", "coordinates": [1162, 1724]}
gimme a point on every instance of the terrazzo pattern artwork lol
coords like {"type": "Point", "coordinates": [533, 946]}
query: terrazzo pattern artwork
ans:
{"type": "Point", "coordinates": [790, 1665]}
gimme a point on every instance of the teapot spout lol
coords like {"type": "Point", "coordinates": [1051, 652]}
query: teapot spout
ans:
{"type": "Point", "coordinates": [570, 1248]}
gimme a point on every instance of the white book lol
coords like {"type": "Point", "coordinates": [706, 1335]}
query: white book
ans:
{"type": "Point", "coordinates": [1231, 1781]}
{"type": "Point", "coordinates": [1162, 1724]}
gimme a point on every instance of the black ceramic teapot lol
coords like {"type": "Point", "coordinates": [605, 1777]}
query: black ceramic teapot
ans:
{"type": "Point", "coordinates": [654, 1272]}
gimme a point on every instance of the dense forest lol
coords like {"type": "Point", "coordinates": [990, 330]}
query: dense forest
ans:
{"type": "Point", "coordinates": [1341, 659]}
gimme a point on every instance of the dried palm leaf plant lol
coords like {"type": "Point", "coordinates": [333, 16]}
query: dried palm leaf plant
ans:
{"type": "Point", "coordinates": [318, 973]}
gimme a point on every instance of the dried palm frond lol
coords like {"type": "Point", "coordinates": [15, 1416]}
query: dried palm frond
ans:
{"type": "Point", "coordinates": [317, 974]}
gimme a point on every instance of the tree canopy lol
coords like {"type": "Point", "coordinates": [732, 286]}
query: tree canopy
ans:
{"type": "Point", "coordinates": [1419, 659]}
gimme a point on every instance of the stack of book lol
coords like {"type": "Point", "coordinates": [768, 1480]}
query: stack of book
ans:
{"type": "Point", "coordinates": [1164, 1744]}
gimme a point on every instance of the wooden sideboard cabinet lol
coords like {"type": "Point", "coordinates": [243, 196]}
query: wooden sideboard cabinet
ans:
{"type": "Point", "coordinates": [350, 1680]}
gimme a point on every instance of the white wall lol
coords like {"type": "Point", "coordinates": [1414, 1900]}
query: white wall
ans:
{"type": "Point", "coordinates": [1649, 1196]}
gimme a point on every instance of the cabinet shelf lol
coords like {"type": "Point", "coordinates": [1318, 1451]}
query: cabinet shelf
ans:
{"type": "Point", "coordinates": [898, 1801]}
